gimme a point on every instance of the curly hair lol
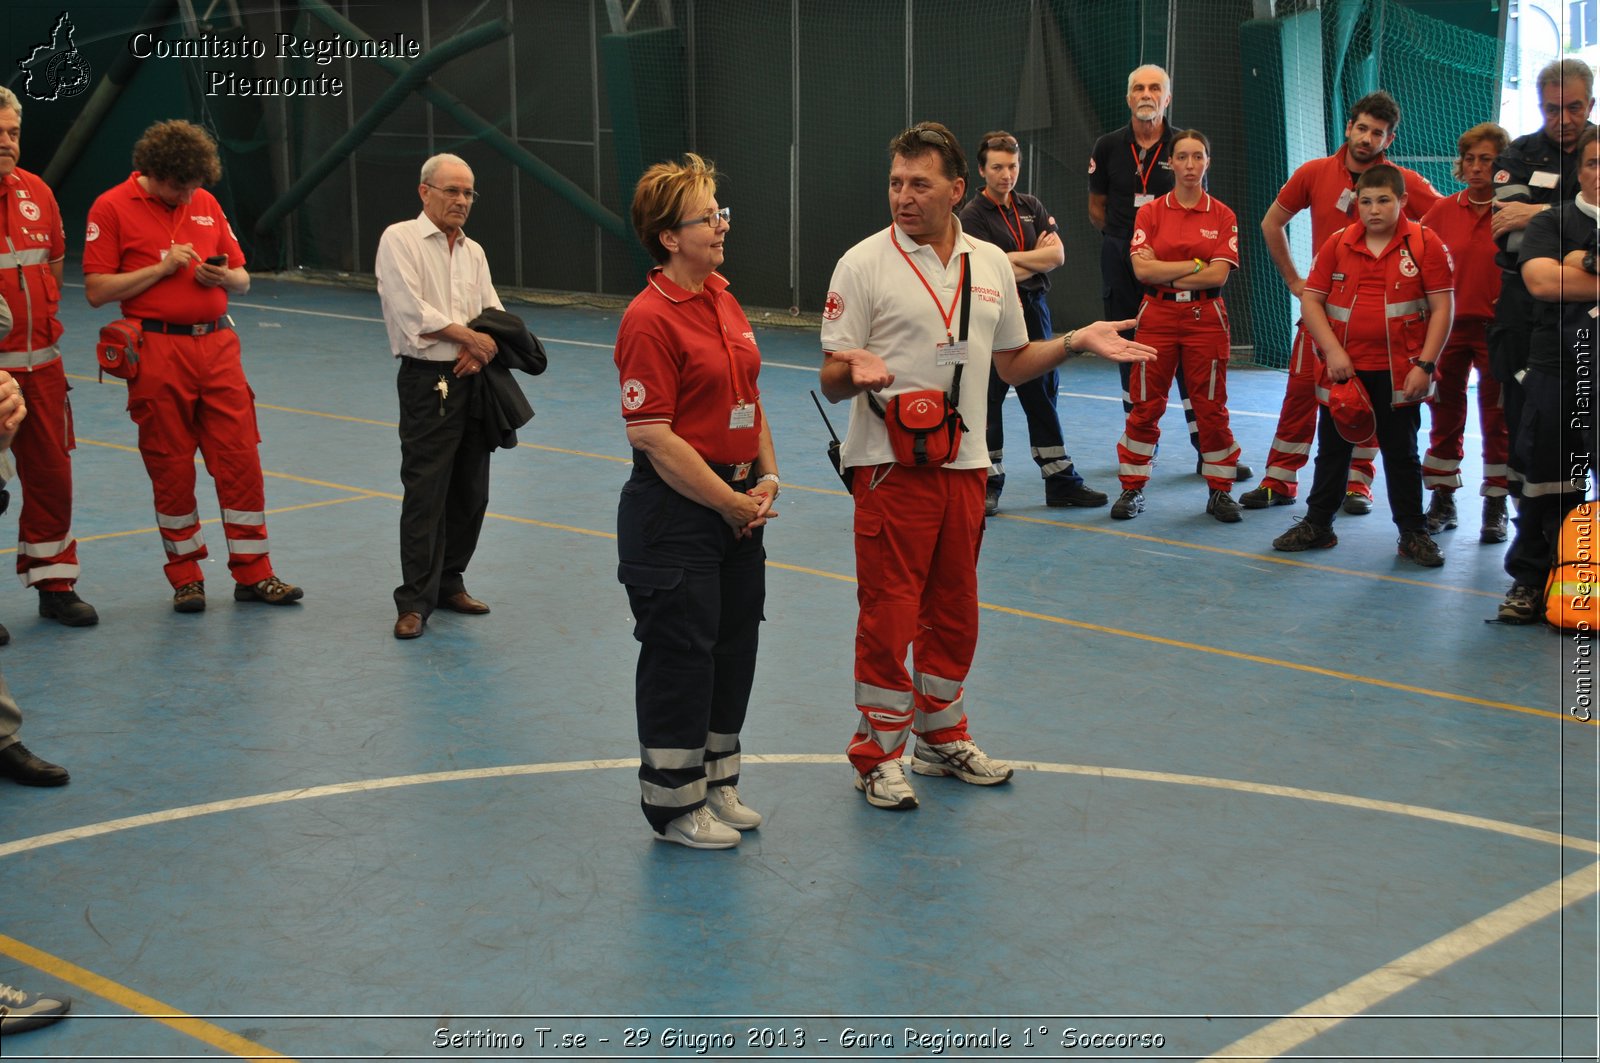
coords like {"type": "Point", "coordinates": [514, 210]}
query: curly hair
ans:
{"type": "Point", "coordinates": [178, 151]}
{"type": "Point", "coordinates": [663, 193]}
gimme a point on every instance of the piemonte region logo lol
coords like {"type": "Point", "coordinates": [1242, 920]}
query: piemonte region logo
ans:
{"type": "Point", "coordinates": [56, 69]}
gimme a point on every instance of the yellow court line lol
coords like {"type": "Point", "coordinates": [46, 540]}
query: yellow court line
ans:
{"type": "Point", "coordinates": [136, 1002]}
{"type": "Point", "coordinates": [1082, 625]}
{"type": "Point", "coordinates": [1246, 555]}
{"type": "Point", "coordinates": [211, 520]}
{"type": "Point", "coordinates": [1177, 543]}
{"type": "Point", "coordinates": [1295, 666]}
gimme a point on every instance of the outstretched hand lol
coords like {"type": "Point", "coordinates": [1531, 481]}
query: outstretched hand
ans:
{"type": "Point", "coordinates": [1103, 338]}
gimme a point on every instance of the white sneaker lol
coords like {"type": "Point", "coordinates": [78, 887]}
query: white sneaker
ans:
{"type": "Point", "coordinates": [724, 803]}
{"type": "Point", "coordinates": [962, 759]}
{"type": "Point", "coordinates": [886, 787]}
{"type": "Point", "coordinates": [21, 1011]}
{"type": "Point", "coordinates": [700, 830]}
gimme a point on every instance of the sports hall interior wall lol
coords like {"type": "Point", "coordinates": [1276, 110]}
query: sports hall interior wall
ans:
{"type": "Point", "coordinates": [795, 100]}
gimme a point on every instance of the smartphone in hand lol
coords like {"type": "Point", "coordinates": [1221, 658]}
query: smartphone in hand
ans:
{"type": "Point", "coordinates": [217, 260]}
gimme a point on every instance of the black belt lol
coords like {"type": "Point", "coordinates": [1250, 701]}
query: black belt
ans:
{"type": "Point", "coordinates": [733, 474]}
{"type": "Point", "coordinates": [201, 329]}
{"type": "Point", "coordinates": [1193, 296]}
{"type": "Point", "coordinates": [436, 365]}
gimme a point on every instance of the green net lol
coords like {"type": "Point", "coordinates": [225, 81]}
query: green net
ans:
{"type": "Point", "coordinates": [559, 105]}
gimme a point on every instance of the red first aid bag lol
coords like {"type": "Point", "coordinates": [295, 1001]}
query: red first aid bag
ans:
{"type": "Point", "coordinates": [924, 427]}
{"type": "Point", "coordinates": [119, 347]}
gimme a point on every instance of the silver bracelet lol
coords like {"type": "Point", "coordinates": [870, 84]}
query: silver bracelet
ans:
{"type": "Point", "coordinates": [766, 476]}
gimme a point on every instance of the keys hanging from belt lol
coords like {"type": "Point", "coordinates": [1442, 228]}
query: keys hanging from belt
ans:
{"type": "Point", "coordinates": [443, 388]}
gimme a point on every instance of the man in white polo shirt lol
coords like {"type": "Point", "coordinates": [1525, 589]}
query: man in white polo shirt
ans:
{"type": "Point", "coordinates": [922, 306]}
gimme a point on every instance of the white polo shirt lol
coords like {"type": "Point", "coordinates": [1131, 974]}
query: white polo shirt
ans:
{"type": "Point", "coordinates": [876, 301]}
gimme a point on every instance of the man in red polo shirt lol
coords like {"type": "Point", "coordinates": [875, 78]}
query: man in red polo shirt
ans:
{"type": "Point", "coordinates": [1327, 187]}
{"type": "Point", "coordinates": [30, 350]}
{"type": "Point", "coordinates": [159, 245]}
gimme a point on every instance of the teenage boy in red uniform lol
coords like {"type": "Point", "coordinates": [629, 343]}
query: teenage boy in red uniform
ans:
{"type": "Point", "coordinates": [159, 245]}
{"type": "Point", "coordinates": [1378, 305]}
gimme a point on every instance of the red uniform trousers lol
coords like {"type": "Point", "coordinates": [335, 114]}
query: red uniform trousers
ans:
{"type": "Point", "coordinates": [1468, 347]}
{"type": "Point", "coordinates": [1297, 428]}
{"type": "Point", "coordinates": [1192, 339]}
{"type": "Point", "coordinates": [47, 554]}
{"type": "Point", "coordinates": [917, 538]}
{"type": "Point", "coordinates": [191, 393]}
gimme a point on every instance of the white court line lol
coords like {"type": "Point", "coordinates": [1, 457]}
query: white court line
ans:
{"type": "Point", "coordinates": [1396, 976]}
{"type": "Point", "coordinates": [172, 815]}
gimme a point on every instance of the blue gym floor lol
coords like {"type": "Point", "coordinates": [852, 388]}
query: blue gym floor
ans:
{"type": "Point", "coordinates": [1267, 806]}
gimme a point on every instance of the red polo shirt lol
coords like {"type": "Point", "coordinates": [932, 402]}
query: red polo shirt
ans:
{"type": "Point", "coordinates": [687, 359]}
{"type": "Point", "coordinates": [1466, 233]}
{"type": "Point", "coordinates": [130, 229]}
{"type": "Point", "coordinates": [30, 219]}
{"type": "Point", "coordinates": [1345, 260]}
{"type": "Point", "coordinates": [1321, 183]}
{"type": "Point", "coordinates": [1206, 231]}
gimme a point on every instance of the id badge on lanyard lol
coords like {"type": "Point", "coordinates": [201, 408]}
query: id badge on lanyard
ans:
{"type": "Point", "coordinates": [1347, 197]}
{"type": "Point", "coordinates": [743, 416]}
{"type": "Point", "coordinates": [951, 352]}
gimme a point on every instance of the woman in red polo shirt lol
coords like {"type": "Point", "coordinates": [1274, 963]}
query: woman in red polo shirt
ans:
{"type": "Point", "coordinates": [1463, 222]}
{"type": "Point", "coordinates": [1185, 245]}
{"type": "Point", "coordinates": [689, 526]}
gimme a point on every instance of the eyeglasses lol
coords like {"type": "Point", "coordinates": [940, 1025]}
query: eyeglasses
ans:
{"type": "Point", "coordinates": [1001, 143]}
{"type": "Point", "coordinates": [725, 216]}
{"type": "Point", "coordinates": [927, 136]}
{"type": "Point", "coordinates": [452, 192]}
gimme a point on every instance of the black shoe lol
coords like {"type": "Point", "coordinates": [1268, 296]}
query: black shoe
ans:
{"type": "Point", "coordinates": [1129, 504]}
{"type": "Point", "coordinates": [991, 502]}
{"type": "Point", "coordinates": [1304, 535]}
{"type": "Point", "coordinates": [1222, 506]}
{"type": "Point", "coordinates": [1357, 504]}
{"type": "Point", "coordinates": [1418, 546]}
{"type": "Point", "coordinates": [1241, 471]}
{"type": "Point", "coordinates": [1441, 515]}
{"type": "Point", "coordinates": [1264, 496]}
{"type": "Point", "coordinates": [5, 636]}
{"type": "Point", "coordinates": [1074, 493]}
{"type": "Point", "coordinates": [67, 608]}
{"type": "Point", "coordinates": [20, 766]}
{"type": "Point", "coordinates": [1494, 522]}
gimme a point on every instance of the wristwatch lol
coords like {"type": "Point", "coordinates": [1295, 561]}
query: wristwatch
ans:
{"type": "Point", "coordinates": [1588, 262]}
{"type": "Point", "coordinates": [1426, 367]}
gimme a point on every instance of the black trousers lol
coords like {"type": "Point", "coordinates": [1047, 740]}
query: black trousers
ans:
{"type": "Point", "coordinates": [1554, 457]}
{"type": "Point", "coordinates": [1397, 443]}
{"type": "Point", "coordinates": [697, 594]}
{"type": "Point", "coordinates": [444, 468]}
{"type": "Point", "coordinates": [1038, 401]}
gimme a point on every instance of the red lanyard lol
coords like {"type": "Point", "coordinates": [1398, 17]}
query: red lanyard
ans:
{"type": "Point", "coordinates": [1144, 175]}
{"type": "Point", "coordinates": [946, 314]}
{"type": "Point", "coordinates": [1018, 234]}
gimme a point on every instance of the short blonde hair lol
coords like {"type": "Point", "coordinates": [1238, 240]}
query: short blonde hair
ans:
{"type": "Point", "coordinates": [1482, 131]}
{"type": "Point", "coordinates": [662, 195]}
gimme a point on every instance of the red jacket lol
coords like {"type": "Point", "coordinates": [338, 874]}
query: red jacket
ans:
{"type": "Point", "coordinates": [1415, 264]}
{"type": "Point", "coordinates": [29, 241]}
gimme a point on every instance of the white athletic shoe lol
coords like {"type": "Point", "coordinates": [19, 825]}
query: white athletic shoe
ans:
{"type": "Point", "coordinates": [725, 805]}
{"type": "Point", "coordinates": [962, 759]}
{"type": "Point", "coordinates": [886, 787]}
{"type": "Point", "coordinates": [700, 830]}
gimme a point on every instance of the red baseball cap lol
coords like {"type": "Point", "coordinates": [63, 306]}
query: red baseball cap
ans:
{"type": "Point", "coordinates": [1351, 408]}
